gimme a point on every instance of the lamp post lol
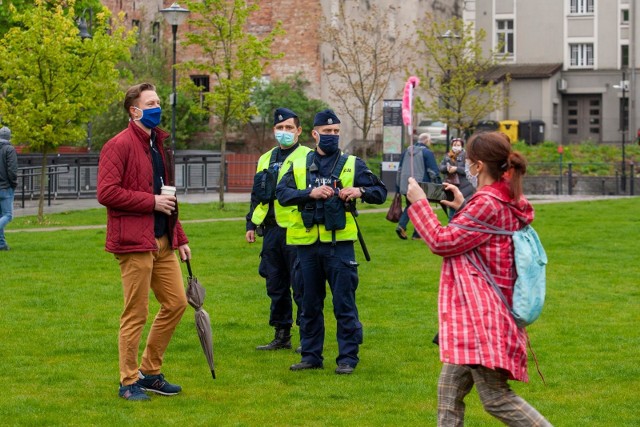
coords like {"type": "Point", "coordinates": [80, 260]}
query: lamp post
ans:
{"type": "Point", "coordinates": [447, 39]}
{"type": "Point", "coordinates": [175, 15]}
{"type": "Point", "coordinates": [85, 33]}
{"type": "Point", "coordinates": [623, 127]}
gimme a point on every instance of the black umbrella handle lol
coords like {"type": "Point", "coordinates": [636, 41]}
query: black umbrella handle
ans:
{"type": "Point", "coordinates": [189, 267]}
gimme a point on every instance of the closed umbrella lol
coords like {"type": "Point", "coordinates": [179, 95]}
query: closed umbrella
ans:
{"type": "Point", "coordinates": [195, 296]}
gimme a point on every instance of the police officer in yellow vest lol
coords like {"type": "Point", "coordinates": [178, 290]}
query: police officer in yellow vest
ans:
{"type": "Point", "coordinates": [268, 218]}
{"type": "Point", "coordinates": [324, 186]}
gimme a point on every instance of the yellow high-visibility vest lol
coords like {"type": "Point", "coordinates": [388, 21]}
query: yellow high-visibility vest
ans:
{"type": "Point", "coordinates": [284, 214]}
{"type": "Point", "coordinates": [297, 233]}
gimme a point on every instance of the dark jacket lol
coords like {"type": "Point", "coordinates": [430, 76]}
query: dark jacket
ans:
{"type": "Point", "coordinates": [8, 165]}
{"type": "Point", "coordinates": [463, 184]}
{"type": "Point", "coordinates": [125, 187]}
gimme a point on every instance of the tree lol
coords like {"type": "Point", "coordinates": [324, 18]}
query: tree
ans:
{"type": "Point", "coordinates": [233, 57]}
{"type": "Point", "coordinates": [149, 63]}
{"type": "Point", "coordinates": [7, 9]}
{"type": "Point", "coordinates": [366, 54]}
{"type": "Point", "coordinates": [453, 74]}
{"type": "Point", "coordinates": [52, 81]}
{"type": "Point", "coordinates": [289, 93]}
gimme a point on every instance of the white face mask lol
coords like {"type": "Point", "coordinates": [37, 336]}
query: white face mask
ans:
{"type": "Point", "coordinates": [473, 179]}
{"type": "Point", "coordinates": [456, 149]}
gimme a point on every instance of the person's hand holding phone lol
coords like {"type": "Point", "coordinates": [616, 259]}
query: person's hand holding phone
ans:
{"type": "Point", "coordinates": [414, 191]}
{"type": "Point", "coordinates": [458, 198]}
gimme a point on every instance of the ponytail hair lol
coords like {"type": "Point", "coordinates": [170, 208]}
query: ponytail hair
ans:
{"type": "Point", "coordinates": [502, 163]}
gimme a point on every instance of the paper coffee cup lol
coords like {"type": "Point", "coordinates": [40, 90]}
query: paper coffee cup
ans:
{"type": "Point", "coordinates": [168, 190]}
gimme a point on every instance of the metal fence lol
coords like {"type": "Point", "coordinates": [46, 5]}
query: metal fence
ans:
{"type": "Point", "coordinates": [76, 175]}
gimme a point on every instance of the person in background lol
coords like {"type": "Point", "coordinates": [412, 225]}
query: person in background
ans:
{"type": "Point", "coordinates": [452, 167]}
{"type": "Point", "coordinates": [8, 182]}
{"type": "Point", "coordinates": [425, 169]}
{"type": "Point", "coordinates": [480, 343]}
{"type": "Point", "coordinates": [324, 186]}
{"type": "Point", "coordinates": [271, 219]}
{"type": "Point", "coordinates": [142, 232]}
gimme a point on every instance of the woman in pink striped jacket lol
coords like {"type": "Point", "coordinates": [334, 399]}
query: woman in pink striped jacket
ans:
{"type": "Point", "coordinates": [479, 341]}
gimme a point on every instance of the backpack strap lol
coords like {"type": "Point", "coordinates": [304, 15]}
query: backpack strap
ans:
{"type": "Point", "coordinates": [492, 229]}
{"type": "Point", "coordinates": [274, 156]}
{"type": "Point", "coordinates": [339, 166]}
{"type": "Point", "coordinates": [480, 264]}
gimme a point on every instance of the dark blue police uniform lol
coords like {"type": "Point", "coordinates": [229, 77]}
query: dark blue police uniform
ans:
{"type": "Point", "coordinates": [332, 262]}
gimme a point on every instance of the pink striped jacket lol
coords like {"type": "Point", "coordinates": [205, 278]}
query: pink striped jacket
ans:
{"type": "Point", "coordinates": [474, 325]}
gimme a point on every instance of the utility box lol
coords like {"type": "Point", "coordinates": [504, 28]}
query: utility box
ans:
{"type": "Point", "coordinates": [531, 131]}
{"type": "Point", "coordinates": [510, 128]}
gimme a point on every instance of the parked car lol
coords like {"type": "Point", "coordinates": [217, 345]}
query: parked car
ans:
{"type": "Point", "coordinates": [435, 128]}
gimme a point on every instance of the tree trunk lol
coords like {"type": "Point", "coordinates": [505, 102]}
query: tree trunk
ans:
{"type": "Point", "coordinates": [43, 179]}
{"type": "Point", "coordinates": [223, 166]}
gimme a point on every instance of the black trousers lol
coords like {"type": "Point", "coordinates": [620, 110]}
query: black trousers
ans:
{"type": "Point", "coordinates": [278, 266]}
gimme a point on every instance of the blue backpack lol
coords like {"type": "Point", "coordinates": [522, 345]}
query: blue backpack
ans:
{"type": "Point", "coordinates": [530, 260]}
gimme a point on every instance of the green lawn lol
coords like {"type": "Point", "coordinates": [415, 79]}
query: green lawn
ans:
{"type": "Point", "coordinates": [62, 299]}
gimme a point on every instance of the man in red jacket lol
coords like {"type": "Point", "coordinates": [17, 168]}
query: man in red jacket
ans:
{"type": "Point", "coordinates": [142, 232]}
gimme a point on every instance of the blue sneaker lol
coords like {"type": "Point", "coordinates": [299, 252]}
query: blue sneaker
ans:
{"type": "Point", "coordinates": [132, 392]}
{"type": "Point", "coordinates": [157, 384]}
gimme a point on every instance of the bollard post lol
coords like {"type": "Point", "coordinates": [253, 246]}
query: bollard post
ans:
{"type": "Point", "coordinates": [570, 179]}
{"type": "Point", "coordinates": [632, 175]}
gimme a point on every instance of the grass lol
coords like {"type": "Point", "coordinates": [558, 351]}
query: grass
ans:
{"type": "Point", "coordinates": [62, 299]}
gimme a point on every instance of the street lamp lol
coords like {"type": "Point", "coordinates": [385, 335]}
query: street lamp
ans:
{"type": "Point", "coordinates": [175, 15]}
{"type": "Point", "coordinates": [85, 33]}
{"type": "Point", "coordinates": [623, 127]}
{"type": "Point", "coordinates": [447, 38]}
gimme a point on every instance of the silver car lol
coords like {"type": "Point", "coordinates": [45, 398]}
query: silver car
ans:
{"type": "Point", "coordinates": [435, 128]}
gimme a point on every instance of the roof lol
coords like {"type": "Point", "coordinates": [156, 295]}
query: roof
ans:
{"type": "Point", "coordinates": [521, 71]}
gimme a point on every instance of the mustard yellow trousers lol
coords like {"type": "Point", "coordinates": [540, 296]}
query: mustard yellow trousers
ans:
{"type": "Point", "coordinates": [159, 272]}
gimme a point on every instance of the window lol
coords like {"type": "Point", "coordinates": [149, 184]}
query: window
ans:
{"type": "Point", "coordinates": [155, 32]}
{"type": "Point", "coordinates": [504, 35]}
{"type": "Point", "coordinates": [202, 81]}
{"type": "Point", "coordinates": [624, 16]}
{"type": "Point", "coordinates": [581, 55]}
{"type": "Point", "coordinates": [135, 23]}
{"type": "Point", "coordinates": [555, 114]}
{"type": "Point", "coordinates": [581, 7]}
{"type": "Point", "coordinates": [624, 56]}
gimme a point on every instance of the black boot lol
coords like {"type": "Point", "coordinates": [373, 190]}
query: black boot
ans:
{"type": "Point", "coordinates": [281, 340]}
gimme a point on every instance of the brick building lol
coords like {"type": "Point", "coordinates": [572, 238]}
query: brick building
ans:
{"type": "Point", "coordinates": [301, 45]}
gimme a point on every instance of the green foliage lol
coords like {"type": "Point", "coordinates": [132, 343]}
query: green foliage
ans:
{"type": "Point", "coordinates": [60, 319]}
{"type": "Point", "coordinates": [54, 82]}
{"type": "Point", "coordinates": [288, 93]}
{"type": "Point", "coordinates": [586, 158]}
{"type": "Point", "coordinates": [8, 10]}
{"type": "Point", "coordinates": [232, 56]}
{"type": "Point", "coordinates": [149, 64]}
{"type": "Point", "coordinates": [453, 75]}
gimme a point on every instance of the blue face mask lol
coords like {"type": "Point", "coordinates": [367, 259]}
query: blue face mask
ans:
{"type": "Point", "coordinates": [329, 144]}
{"type": "Point", "coordinates": [286, 139]}
{"type": "Point", "coordinates": [150, 117]}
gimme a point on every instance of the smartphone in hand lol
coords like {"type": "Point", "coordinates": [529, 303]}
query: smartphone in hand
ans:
{"type": "Point", "coordinates": [436, 192]}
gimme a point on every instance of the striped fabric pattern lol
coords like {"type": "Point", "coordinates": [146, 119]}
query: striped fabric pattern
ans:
{"type": "Point", "coordinates": [474, 325]}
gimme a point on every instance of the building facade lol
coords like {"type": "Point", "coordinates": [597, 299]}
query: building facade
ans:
{"type": "Point", "coordinates": [572, 64]}
{"type": "Point", "coordinates": [302, 47]}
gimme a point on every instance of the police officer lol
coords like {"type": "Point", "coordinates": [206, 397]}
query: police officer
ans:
{"type": "Point", "coordinates": [270, 219]}
{"type": "Point", "coordinates": [324, 233]}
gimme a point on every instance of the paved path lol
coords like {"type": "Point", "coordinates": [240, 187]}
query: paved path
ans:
{"type": "Point", "coordinates": [66, 205]}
